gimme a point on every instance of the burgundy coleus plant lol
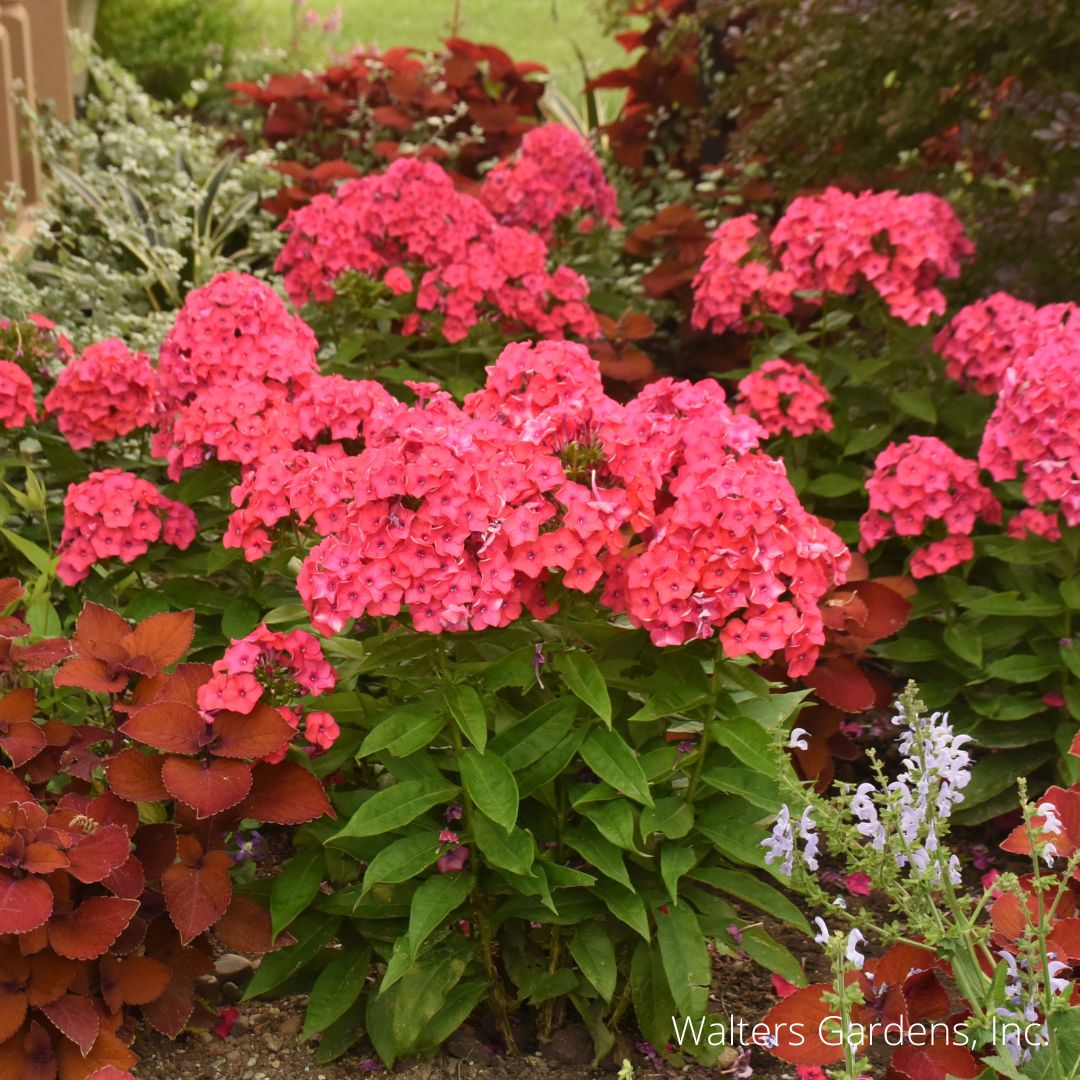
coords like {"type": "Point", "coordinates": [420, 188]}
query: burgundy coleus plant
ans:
{"type": "Point", "coordinates": [902, 988]}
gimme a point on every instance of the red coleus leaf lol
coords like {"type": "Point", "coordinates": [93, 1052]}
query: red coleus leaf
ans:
{"type": "Point", "coordinates": [197, 891]}
{"type": "Point", "coordinates": [127, 880]}
{"type": "Point", "coordinates": [137, 980]}
{"type": "Point", "coordinates": [16, 706]}
{"type": "Point", "coordinates": [22, 742]}
{"type": "Point", "coordinates": [937, 1061]}
{"type": "Point", "coordinates": [75, 1017]}
{"type": "Point", "coordinates": [245, 927]}
{"type": "Point", "coordinates": [92, 927]}
{"type": "Point", "coordinates": [260, 732]}
{"type": "Point", "coordinates": [285, 794]}
{"type": "Point", "coordinates": [40, 1063]}
{"type": "Point", "coordinates": [169, 1012]}
{"type": "Point", "coordinates": [155, 846]}
{"type": "Point", "coordinates": [1066, 803]}
{"type": "Point", "coordinates": [25, 904]}
{"type": "Point", "coordinates": [208, 787]}
{"type": "Point", "coordinates": [107, 1052]}
{"type": "Point", "coordinates": [50, 976]}
{"type": "Point", "coordinates": [12, 789]}
{"type": "Point", "coordinates": [41, 654]}
{"type": "Point", "coordinates": [1064, 939]}
{"type": "Point", "coordinates": [841, 683]}
{"type": "Point", "coordinates": [803, 1012]}
{"type": "Point", "coordinates": [99, 631]}
{"type": "Point", "coordinates": [11, 590]}
{"type": "Point", "coordinates": [164, 638]}
{"type": "Point", "coordinates": [168, 726]}
{"type": "Point", "coordinates": [42, 858]}
{"type": "Point", "coordinates": [887, 611]}
{"type": "Point", "coordinates": [96, 855]}
{"type": "Point", "coordinates": [136, 776]}
{"type": "Point", "coordinates": [111, 1073]}
{"type": "Point", "coordinates": [13, 984]}
{"type": "Point", "coordinates": [183, 684]}
{"type": "Point", "coordinates": [90, 674]}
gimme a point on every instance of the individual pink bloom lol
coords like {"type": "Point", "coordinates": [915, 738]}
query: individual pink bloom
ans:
{"type": "Point", "coordinates": [226, 1018]}
{"type": "Point", "coordinates": [1054, 700]}
{"type": "Point", "coordinates": [452, 861]}
{"type": "Point", "coordinates": [448, 836]}
{"type": "Point", "coordinates": [321, 729]}
{"type": "Point", "coordinates": [857, 884]}
{"type": "Point", "coordinates": [397, 281]}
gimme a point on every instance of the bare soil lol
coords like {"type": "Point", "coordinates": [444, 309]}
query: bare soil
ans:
{"type": "Point", "coordinates": [265, 1043]}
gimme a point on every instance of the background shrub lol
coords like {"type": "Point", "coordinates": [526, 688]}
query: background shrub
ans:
{"type": "Point", "coordinates": [167, 44]}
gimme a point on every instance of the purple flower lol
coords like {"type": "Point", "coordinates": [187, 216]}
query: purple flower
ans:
{"type": "Point", "coordinates": [251, 849]}
{"type": "Point", "coordinates": [538, 662]}
{"type": "Point", "coordinates": [452, 813]}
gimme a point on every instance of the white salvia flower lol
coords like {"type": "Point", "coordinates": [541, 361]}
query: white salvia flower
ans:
{"type": "Point", "coordinates": [810, 838]}
{"type": "Point", "coordinates": [781, 844]}
{"type": "Point", "coordinates": [1049, 853]}
{"type": "Point", "coordinates": [865, 812]}
{"type": "Point", "coordinates": [840, 902]}
{"type": "Point", "coordinates": [1058, 986]}
{"type": "Point", "coordinates": [852, 955]}
{"type": "Point", "coordinates": [799, 739]}
{"type": "Point", "coordinates": [1051, 821]}
{"type": "Point", "coordinates": [822, 936]}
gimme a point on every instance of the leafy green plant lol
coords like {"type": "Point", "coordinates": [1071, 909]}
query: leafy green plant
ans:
{"type": "Point", "coordinates": [536, 819]}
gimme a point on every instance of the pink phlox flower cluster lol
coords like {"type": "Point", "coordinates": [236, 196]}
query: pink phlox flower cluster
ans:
{"type": "Point", "coordinates": [1035, 426]}
{"type": "Point", "coordinates": [411, 223]}
{"type": "Point", "coordinates": [554, 175]}
{"type": "Point", "coordinates": [105, 392]}
{"type": "Point", "coordinates": [275, 668]}
{"type": "Point", "coordinates": [983, 340]}
{"type": "Point", "coordinates": [17, 405]}
{"type": "Point", "coordinates": [114, 514]}
{"type": "Point", "coordinates": [462, 515]}
{"type": "Point", "coordinates": [234, 329]}
{"type": "Point", "coordinates": [786, 396]}
{"type": "Point", "coordinates": [229, 371]}
{"type": "Point", "coordinates": [941, 556]}
{"type": "Point", "coordinates": [738, 277]}
{"type": "Point", "coordinates": [900, 245]}
{"type": "Point", "coordinates": [281, 665]}
{"type": "Point", "coordinates": [919, 481]}
{"type": "Point", "coordinates": [1032, 522]}
{"type": "Point", "coordinates": [445, 521]}
{"type": "Point", "coordinates": [737, 552]}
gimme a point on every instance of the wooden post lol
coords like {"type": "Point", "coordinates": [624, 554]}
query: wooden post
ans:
{"type": "Point", "coordinates": [50, 56]}
{"type": "Point", "coordinates": [9, 141]}
{"type": "Point", "coordinates": [15, 19]}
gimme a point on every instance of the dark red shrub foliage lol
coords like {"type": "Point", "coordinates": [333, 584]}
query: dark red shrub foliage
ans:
{"type": "Point", "coordinates": [361, 111]}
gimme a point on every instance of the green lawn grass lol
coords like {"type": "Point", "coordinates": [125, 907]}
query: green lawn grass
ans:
{"type": "Point", "coordinates": [541, 30]}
